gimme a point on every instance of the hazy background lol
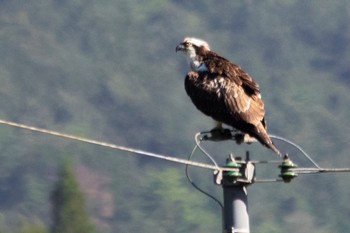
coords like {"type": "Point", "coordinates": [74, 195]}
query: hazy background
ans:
{"type": "Point", "coordinates": [108, 70]}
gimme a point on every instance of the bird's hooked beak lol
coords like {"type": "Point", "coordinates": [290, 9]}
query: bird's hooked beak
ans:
{"type": "Point", "coordinates": [180, 47]}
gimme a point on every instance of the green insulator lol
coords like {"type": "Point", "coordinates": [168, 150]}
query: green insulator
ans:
{"type": "Point", "coordinates": [287, 163]}
{"type": "Point", "coordinates": [287, 174]}
{"type": "Point", "coordinates": [233, 164]}
{"type": "Point", "coordinates": [233, 173]}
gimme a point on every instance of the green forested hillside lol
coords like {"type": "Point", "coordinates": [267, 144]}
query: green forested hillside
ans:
{"type": "Point", "coordinates": [108, 70]}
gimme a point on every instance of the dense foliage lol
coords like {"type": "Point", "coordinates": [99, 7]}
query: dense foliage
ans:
{"type": "Point", "coordinates": [108, 70]}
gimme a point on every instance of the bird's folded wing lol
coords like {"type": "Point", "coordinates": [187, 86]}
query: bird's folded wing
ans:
{"type": "Point", "coordinates": [243, 105]}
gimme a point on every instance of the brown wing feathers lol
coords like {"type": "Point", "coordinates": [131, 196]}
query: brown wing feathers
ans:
{"type": "Point", "coordinates": [229, 95]}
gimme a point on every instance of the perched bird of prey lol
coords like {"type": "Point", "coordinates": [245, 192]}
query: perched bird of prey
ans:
{"type": "Point", "coordinates": [225, 92]}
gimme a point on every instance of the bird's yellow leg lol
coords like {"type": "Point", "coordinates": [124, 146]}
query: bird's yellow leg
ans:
{"type": "Point", "coordinates": [218, 126]}
{"type": "Point", "coordinates": [219, 133]}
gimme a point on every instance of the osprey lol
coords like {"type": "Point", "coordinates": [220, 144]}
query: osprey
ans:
{"type": "Point", "coordinates": [225, 92]}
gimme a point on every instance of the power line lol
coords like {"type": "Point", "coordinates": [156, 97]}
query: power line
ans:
{"type": "Point", "coordinates": [230, 135]}
{"type": "Point", "coordinates": [305, 170]}
{"type": "Point", "coordinates": [114, 146]}
{"type": "Point", "coordinates": [296, 146]}
{"type": "Point", "coordinates": [198, 140]}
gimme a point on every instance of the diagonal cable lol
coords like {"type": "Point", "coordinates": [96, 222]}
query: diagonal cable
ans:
{"type": "Point", "coordinates": [114, 146]}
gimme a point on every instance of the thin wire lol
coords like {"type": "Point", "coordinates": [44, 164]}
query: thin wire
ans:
{"type": "Point", "coordinates": [296, 146]}
{"type": "Point", "coordinates": [267, 180]}
{"type": "Point", "coordinates": [114, 146]}
{"type": "Point", "coordinates": [194, 184]}
{"type": "Point", "coordinates": [198, 140]}
{"type": "Point", "coordinates": [304, 170]}
{"type": "Point", "coordinates": [318, 170]}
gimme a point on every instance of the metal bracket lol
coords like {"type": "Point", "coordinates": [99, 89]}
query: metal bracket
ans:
{"type": "Point", "coordinates": [243, 174]}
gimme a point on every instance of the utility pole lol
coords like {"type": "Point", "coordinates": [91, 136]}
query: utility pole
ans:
{"type": "Point", "coordinates": [235, 217]}
{"type": "Point", "coordinates": [234, 183]}
{"type": "Point", "coordinates": [235, 212]}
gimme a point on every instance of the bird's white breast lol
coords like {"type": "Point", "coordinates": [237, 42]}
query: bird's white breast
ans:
{"type": "Point", "coordinates": [198, 66]}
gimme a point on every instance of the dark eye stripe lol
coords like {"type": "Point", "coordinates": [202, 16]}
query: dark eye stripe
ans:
{"type": "Point", "coordinates": [187, 44]}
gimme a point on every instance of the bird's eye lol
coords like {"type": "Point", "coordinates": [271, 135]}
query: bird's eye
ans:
{"type": "Point", "coordinates": [187, 44]}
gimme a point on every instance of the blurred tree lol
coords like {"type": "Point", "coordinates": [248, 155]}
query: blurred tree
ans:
{"type": "Point", "coordinates": [33, 228]}
{"type": "Point", "coordinates": [68, 205]}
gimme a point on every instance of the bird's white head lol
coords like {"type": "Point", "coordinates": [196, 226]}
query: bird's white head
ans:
{"type": "Point", "coordinates": [190, 47]}
{"type": "Point", "coordinates": [190, 44]}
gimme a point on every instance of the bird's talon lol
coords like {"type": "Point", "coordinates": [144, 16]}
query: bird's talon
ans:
{"type": "Point", "coordinates": [220, 134]}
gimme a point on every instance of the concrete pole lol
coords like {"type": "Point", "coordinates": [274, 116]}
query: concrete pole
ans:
{"type": "Point", "coordinates": [235, 212]}
{"type": "Point", "coordinates": [235, 199]}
